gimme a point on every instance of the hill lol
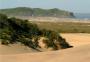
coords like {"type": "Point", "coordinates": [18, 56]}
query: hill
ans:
{"type": "Point", "coordinates": [28, 12]}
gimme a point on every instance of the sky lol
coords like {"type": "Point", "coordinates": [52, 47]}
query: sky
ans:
{"type": "Point", "coordinates": [76, 6]}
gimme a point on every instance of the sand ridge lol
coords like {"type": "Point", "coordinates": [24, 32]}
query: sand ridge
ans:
{"type": "Point", "coordinates": [77, 39]}
{"type": "Point", "coordinates": [80, 52]}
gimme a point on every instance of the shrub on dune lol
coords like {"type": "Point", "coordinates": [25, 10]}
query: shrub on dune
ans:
{"type": "Point", "coordinates": [13, 30]}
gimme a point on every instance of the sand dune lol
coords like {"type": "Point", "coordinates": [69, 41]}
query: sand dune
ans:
{"type": "Point", "coordinates": [80, 53]}
{"type": "Point", "coordinates": [15, 49]}
{"type": "Point", "coordinates": [77, 39]}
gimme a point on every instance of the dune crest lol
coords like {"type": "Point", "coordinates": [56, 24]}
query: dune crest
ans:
{"type": "Point", "coordinates": [80, 52]}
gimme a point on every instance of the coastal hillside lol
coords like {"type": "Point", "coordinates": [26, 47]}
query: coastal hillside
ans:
{"type": "Point", "coordinates": [37, 12]}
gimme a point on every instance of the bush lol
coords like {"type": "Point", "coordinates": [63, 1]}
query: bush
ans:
{"type": "Point", "coordinates": [16, 30]}
{"type": "Point", "coordinates": [4, 42]}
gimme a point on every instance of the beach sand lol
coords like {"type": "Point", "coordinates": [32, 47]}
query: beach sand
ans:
{"type": "Point", "coordinates": [79, 53]}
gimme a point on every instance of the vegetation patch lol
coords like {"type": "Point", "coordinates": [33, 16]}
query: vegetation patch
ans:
{"type": "Point", "coordinates": [13, 30]}
{"type": "Point", "coordinates": [65, 27]}
{"type": "Point", "coordinates": [36, 12]}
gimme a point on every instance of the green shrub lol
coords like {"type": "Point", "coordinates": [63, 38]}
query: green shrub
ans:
{"type": "Point", "coordinates": [4, 42]}
{"type": "Point", "coordinates": [14, 30]}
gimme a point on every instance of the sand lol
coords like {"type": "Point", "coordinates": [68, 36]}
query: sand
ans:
{"type": "Point", "coordinates": [77, 39]}
{"type": "Point", "coordinates": [55, 19]}
{"type": "Point", "coordinates": [15, 49]}
{"type": "Point", "coordinates": [80, 52]}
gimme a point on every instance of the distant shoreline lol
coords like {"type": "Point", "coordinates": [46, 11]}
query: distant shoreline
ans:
{"type": "Point", "coordinates": [55, 19]}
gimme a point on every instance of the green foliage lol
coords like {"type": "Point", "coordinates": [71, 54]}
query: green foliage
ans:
{"type": "Point", "coordinates": [24, 11]}
{"type": "Point", "coordinates": [14, 30]}
{"type": "Point", "coordinates": [5, 42]}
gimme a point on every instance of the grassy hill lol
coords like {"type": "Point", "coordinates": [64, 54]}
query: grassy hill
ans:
{"type": "Point", "coordinates": [27, 12]}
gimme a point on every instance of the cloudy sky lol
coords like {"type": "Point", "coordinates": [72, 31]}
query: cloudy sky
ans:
{"type": "Point", "coordinates": [76, 6]}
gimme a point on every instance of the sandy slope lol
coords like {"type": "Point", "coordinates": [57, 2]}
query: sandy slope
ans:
{"type": "Point", "coordinates": [15, 49]}
{"type": "Point", "coordinates": [77, 39]}
{"type": "Point", "coordinates": [80, 53]}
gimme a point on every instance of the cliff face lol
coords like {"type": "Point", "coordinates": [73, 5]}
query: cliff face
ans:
{"type": "Point", "coordinates": [38, 12]}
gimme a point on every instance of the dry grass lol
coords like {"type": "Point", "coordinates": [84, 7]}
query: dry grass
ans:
{"type": "Point", "coordinates": [65, 27]}
{"type": "Point", "coordinates": [62, 25]}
